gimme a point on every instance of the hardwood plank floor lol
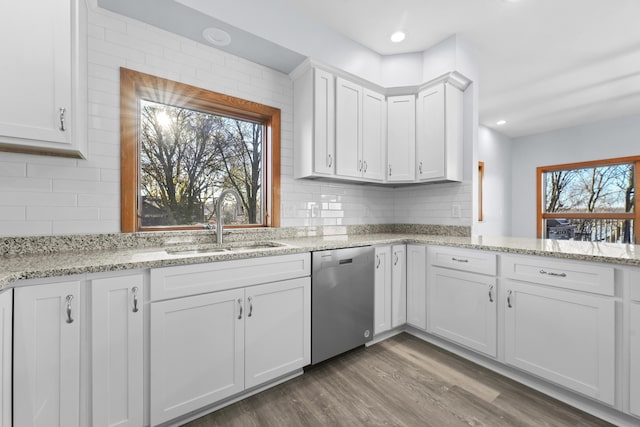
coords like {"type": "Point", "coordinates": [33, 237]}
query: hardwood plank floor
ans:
{"type": "Point", "coordinates": [402, 381]}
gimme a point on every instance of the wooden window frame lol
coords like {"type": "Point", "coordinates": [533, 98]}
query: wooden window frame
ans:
{"type": "Point", "coordinates": [541, 215]}
{"type": "Point", "coordinates": [480, 191]}
{"type": "Point", "coordinates": [135, 85]}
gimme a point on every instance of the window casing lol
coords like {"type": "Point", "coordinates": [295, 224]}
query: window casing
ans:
{"type": "Point", "coordinates": [592, 201]}
{"type": "Point", "coordinates": [138, 89]}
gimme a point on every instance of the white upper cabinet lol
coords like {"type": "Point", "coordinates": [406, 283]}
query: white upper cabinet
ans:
{"type": "Point", "coordinates": [439, 142]}
{"type": "Point", "coordinates": [374, 128]}
{"type": "Point", "coordinates": [348, 128]}
{"type": "Point", "coordinates": [43, 77]}
{"type": "Point", "coordinates": [360, 131]}
{"type": "Point", "coordinates": [401, 137]}
{"type": "Point", "coordinates": [314, 124]}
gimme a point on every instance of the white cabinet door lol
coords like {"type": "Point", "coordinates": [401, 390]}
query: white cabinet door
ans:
{"type": "Point", "coordinates": [564, 337]}
{"type": "Point", "coordinates": [462, 308]}
{"type": "Point", "coordinates": [42, 78]}
{"type": "Point", "coordinates": [399, 286]}
{"type": "Point", "coordinates": [634, 375]}
{"type": "Point", "coordinates": [323, 122]}
{"type": "Point", "coordinates": [116, 351]}
{"type": "Point", "coordinates": [374, 134]}
{"type": "Point", "coordinates": [277, 329]}
{"type": "Point", "coordinates": [348, 128]}
{"type": "Point", "coordinates": [382, 292]}
{"type": "Point", "coordinates": [416, 286]}
{"type": "Point", "coordinates": [439, 125]}
{"type": "Point", "coordinates": [197, 352]}
{"type": "Point", "coordinates": [46, 369]}
{"type": "Point", "coordinates": [6, 329]}
{"type": "Point", "coordinates": [401, 137]}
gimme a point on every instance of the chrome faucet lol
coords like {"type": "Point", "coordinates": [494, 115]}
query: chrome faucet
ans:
{"type": "Point", "coordinates": [219, 226]}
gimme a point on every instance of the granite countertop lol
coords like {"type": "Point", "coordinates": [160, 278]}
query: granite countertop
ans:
{"type": "Point", "coordinates": [18, 267]}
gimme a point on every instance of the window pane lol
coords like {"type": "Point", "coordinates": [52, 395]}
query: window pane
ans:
{"type": "Point", "coordinates": [188, 157]}
{"type": "Point", "coordinates": [599, 189]}
{"type": "Point", "coordinates": [590, 229]}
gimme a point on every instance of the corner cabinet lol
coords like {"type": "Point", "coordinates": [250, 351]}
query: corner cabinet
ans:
{"type": "Point", "coordinates": [401, 138]}
{"type": "Point", "coordinates": [46, 368]}
{"type": "Point", "coordinates": [43, 82]}
{"type": "Point", "coordinates": [390, 296]}
{"type": "Point", "coordinates": [314, 124]}
{"type": "Point", "coordinates": [439, 132]}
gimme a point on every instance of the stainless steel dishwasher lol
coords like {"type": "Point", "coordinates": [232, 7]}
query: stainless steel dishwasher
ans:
{"type": "Point", "coordinates": [342, 285]}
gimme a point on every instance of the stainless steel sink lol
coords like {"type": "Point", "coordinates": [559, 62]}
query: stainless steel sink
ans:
{"type": "Point", "coordinates": [253, 246]}
{"type": "Point", "coordinates": [239, 247]}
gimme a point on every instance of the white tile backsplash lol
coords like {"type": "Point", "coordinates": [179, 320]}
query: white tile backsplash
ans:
{"type": "Point", "coordinates": [50, 195]}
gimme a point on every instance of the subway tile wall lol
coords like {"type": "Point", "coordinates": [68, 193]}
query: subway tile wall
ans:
{"type": "Point", "coordinates": [48, 195]}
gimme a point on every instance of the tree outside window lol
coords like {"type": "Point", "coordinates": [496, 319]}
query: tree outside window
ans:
{"type": "Point", "coordinates": [593, 201]}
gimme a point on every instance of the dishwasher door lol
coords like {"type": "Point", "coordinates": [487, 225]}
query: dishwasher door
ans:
{"type": "Point", "coordinates": [342, 286]}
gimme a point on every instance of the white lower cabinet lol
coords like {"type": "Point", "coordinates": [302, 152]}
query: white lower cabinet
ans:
{"type": "Point", "coordinates": [416, 286]}
{"type": "Point", "coordinates": [197, 352]}
{"type": "Point", "coordinates": [562, 336]}
{"type": "Point", "coordinates": [46, 369]}
{"type": "Point", "coordinates": [117, 351]}
{"type": "Point", "coordinates": [6, 331]}
{"type": "Point", "coordinates": [398, 286]}
{"type": "Point", "coordinates": [634, 374]}
{"type": "Point", "coordinates": [205, 348]}
{"type": "Point", "coordinates": [462, 308]}
{"type": "Point", "coordinates": [382, 291]}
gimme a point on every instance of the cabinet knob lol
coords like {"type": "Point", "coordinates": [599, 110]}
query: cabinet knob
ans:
{"type": "Point", "coordinates": [250, 306]}
{"type": "Point", "coordinates": [420, 168]}
{"type": "Point", "coordinates": [509, 292]}
{"type": "Point", "coordinates": [329, 160]}
{"type": "Point", "coordinates": [491, 293]}
{"type": "Point", "coordinates": [240, 307]}
{"type": "Point", "coordinates": [378, 261]}
{"type": "Point", "coordinates": [395, 259]}
{"type": "Point", "coordinates": [365, 166]}
{"type": "Point", "coordinates": [360, 166]}
{"type": "Point", "coordinates": [389, 169]}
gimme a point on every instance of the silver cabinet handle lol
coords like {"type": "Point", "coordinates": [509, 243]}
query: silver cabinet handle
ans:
{"type": "Point", "coordinates": [69, 299]}
{"type": "Point", "coordinates": [491, 293]}
{"type": "Point", "coordinates": [250, 307]}
{"type": "Point", "coordinates": [240, 305]}
{"type": "Point", "coordinates": [551, 273]}
{"type": "Point", "coordinates": [329, 160]}
{"type": "Point", "coordinates": [420, 168]}
{"type": "Point", "coordinates": [389, 169]}
{"type": "Point", "coordinates": [365, 166]}
{"type": "Point", "coordinates": [509, 292]}
{"type": "Point", "coordinates": [395, 259]}
{"type": "Point", "coordinates": [134, 291]}
{"type": "Point", "coordinates": [62, 110]}
{"type": "Point", "coordinates": [378, 261]}
{"type": "Point", "coordinates": [459, 259]}
{"type": "Point", "coordinates": [359, 165]}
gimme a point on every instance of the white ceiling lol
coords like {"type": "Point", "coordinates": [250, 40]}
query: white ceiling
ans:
{"type": "Point", "coordinates": [544, 64]}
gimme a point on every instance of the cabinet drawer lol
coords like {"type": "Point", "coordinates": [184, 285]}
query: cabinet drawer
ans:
{"type": "Point", "coordinates": [563, 274]}
{"type": "Point", "coordinates": [180, 281]}
{"type": "Point", "coordinates": [463, 259]}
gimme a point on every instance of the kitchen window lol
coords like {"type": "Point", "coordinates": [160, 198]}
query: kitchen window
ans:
{"type": "Point", "coordinates": [591, 201]}
{"type": "Point", "coordinates": [181, 146]}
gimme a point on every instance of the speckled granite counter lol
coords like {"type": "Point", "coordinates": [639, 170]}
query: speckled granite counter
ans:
{"type": "Point", "coordinates": [51, 264]}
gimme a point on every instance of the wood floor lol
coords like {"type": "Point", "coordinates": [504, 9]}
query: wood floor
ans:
{"type": "Point", "coordinates": [402, 381]}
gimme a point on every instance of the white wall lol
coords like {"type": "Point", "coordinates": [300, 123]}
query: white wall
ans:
{"type": "Point", "coordinates": [494, 149]}
{"type": "Point", "coordinates": [602, 140]}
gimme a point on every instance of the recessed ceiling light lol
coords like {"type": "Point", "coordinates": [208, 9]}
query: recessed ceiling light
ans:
{"type": "Point", "coordinates": [398, 36]}
{"type": "Point", "coordinates": [216, 36]}
{"type": "Point", "coordinates": [501, 122]}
